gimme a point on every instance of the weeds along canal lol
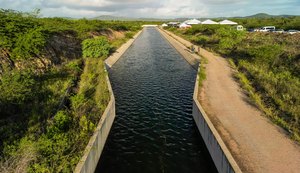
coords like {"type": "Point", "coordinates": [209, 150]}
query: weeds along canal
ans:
{"type": "Point", "coordinates": [154, 130]}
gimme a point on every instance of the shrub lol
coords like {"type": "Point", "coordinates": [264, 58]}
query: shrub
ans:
{"type": "Point", "coordinates": [62, 120]}
{"type": "Point", "coordinates": [96, 47]}
{"type": "Point", "coordinates": [265, 54]}
{"type": "Point", "coordinates": [23, 36]}
{"type": "Point", "coordinates": [16, 87]}
{"type": "Point", "coordinates": [61, 123]}
{"type": "Point", "coordinates": [86, 126]}
{"type": "Point", "coordinates": [229, 37]}
{"type": "Point", "coordinates": [120, 27]}
{"type": "Point", "coordinates": [129, 35]}
{"type": "Point", "coordinates": [20, 156]}
{"type": "Point", "coordinates": [29, 44]}
{"type": "Point", "coordinates": [201, 40]}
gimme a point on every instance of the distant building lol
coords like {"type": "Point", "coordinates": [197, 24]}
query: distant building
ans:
{"type": "Point", "coordinates": [227, 22]}
{"type": "Point", "coordinates": [173, 24]}
{"type": "Point", "coordinates": [149, 25]}
{"type": "Point", "coordinates": [192, 22]}
{"type": "Point", "coordinates": [184, 25]}
{"type": "Point", "coordinates": [209, 22]}
{"type": "Point", "coordinates": [164, 25]}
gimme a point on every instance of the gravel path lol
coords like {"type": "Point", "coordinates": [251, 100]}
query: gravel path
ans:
{"type": "Point", "coordinates": [255, 142]}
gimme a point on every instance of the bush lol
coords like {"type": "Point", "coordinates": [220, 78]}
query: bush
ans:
{"type": "Point", "coordinates": [62, 120]}
{"type": "Point", "coordinates": [129, 35]}
{"type": "Point", "coordinates": [29, 44]}
{"type": "Point", "coordinates": [16, 87]}
{"type": "Point", "coordinates": [120, 27]}
{"type": "Point", "coordinates": [22, 35]}
{"type": "Point", "coordinates": [229, 38]}
{"type": "Point", "coordinates": [265, 54]}
{"type": "Point", "coordinates": [201, 40]}
{"type": "Point", "coordinates": [96, 47]}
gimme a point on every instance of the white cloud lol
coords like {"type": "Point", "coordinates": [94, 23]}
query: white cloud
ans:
{"type": "Point", "coordinates": [67, 12]}
{"type": "Point", "coordinates": [171, 8]}
{"type": "Point", "coordinates": [154, 8]}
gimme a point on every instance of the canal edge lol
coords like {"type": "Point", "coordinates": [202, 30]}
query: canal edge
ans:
{"type": "Point", "coordinates": [111, 60]}
{"type": "Point", "coordinates": [192, 58]}
{"type": "Point", "coordinates": [94, 148]}
{"type": "Point", "coordinates": [222, 157]}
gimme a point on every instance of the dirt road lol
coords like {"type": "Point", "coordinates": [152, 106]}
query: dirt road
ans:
{"type": "Point", "coordinates": [255, 142]}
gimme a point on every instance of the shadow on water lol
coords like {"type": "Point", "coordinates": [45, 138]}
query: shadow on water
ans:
{"type": "Point", "coordinates": [154, 129]}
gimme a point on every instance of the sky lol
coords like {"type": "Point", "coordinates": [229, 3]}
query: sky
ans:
{"type": "Point", "coordinates": [154, 8]}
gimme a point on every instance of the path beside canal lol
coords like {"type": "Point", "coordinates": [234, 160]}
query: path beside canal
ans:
{"type": "Point", "coordinates": [255, 142]}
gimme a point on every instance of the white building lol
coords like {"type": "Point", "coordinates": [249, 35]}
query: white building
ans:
{"type": "Point", "coordinates": [227, 22]}
{"type": "Point", "coordinates": [184, 25]}
{"type": "Point", "coordinates": [173, 24]}
{"type": "Point", "coordinates": [209, 22]}
{"type": "Point", "coordinates": [192, 22]}
{"type": "Point", "coordinates": [164, 25]}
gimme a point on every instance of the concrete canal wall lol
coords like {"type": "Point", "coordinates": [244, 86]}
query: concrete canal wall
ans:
{"type": "Point", "coordinates": [93, 150]}
{"type": "Point", "coordinates": [219, 152]}
{"type": "Point", "coordinates": [110, 61]}
{"type": "Point", "coordinates": [190, 57]}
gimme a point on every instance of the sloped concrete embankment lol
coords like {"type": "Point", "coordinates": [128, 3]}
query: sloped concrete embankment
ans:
{"type": "Point", "coordinates": [110, 61]}
{"type": "Point", "coordinates": [220, 154]}
{"type": "Point", "coordinates": [93, 150]}
{"type": "Point", "coordinates": [190, 57]}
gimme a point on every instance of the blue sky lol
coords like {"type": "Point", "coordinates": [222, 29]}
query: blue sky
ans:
{"type": "Point", "coordinates": [154, 8]}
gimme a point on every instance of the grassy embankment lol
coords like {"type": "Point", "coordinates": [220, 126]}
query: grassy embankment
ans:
{"type": "Point", "coordinates": [52, 94]}
{"type": "Point", "coordinates": [267, 64]}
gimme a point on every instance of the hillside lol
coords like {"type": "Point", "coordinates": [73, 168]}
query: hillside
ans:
{"type": "Point", "coordinates": [265, 15]}
{"type": "Point", "coordinates": [109, 17]}
{"type": "Point", "coordinates": [119, 18]}
{"type": "Point", "coordinates": [53, 87]}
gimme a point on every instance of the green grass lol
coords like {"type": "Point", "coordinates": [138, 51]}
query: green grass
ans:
{"type": "Point", "coordinates": [202, 72]}
{"type": "Point", "coordinates": [256, 98]}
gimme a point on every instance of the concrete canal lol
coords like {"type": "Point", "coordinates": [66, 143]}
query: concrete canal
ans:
{"type": "Point", "coordinates": [154, 130]}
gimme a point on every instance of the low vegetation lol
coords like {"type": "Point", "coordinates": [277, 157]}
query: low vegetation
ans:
{"type": "Point", "coordinates": [53, 87]}
{"type": "Point", "coordinates": [285, 23]}
{"type": "Point", "coordinates": [201, 72]}
{"type": "Point", "coordinates": [268, 67]}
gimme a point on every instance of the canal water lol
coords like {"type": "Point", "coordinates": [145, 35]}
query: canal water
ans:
{"type": "Point", "coordinates": [154, 129]}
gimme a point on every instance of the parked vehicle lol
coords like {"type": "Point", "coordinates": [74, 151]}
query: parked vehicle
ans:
{"type": "Point", "coordinates": [239, 28]}
{"type": "Point", "coordinates": [267, 29]}
{"type": "Point", "coordinates": [279, 31]}
{"type": "Point", "coordinates": [251, 30]}
{"type": "Point", "coordinates": [292, 31]}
